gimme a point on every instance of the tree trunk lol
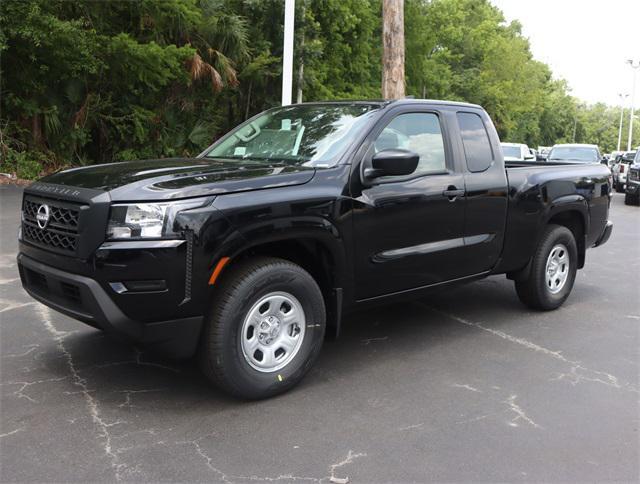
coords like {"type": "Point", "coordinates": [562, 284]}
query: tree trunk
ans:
{"type": "Point", "coordinates": [392, 49]}
{"type": "Point", "coordinates": [246, 113]}
{"type": "Point", "coordinates": [300, 79]}
{"type": "Point", "coordinates": [36, 131]}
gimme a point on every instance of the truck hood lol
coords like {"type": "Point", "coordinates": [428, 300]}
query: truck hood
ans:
{"type": "Point", "coordinates": [175, 178]}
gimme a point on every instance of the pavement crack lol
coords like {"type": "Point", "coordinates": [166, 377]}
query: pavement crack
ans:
{"type": "Point", "coordinates": [228, 478]}
{"type": "Point", "coordinates": [13, 432]}
{"type": "Point", "coordinates": [127, 396]}
{"type": "Point", "coordinates": [11, 305]}
{"type": "Point", "coordinates": [411, 427]}
{"type": "Point", "coordinates": [578, 372]}
{"type": "Point", "coordinates": [31, 349]}
{"type": "Point", "coordinates": [20, 392]}
{"type": "Point", "coordinates": [347, 460]}
{"type": "Point", "coordinates": [520, 414]}
{"type": "Point", "coordinates": [91, 402]}
{"type": "Point", "coordinates": [208, 460]}
{"type": "Point", "coordinates": [466, 387]}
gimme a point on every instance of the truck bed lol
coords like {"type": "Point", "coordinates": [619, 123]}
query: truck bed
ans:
{"type": "Point", "coordinates": [535, 189]}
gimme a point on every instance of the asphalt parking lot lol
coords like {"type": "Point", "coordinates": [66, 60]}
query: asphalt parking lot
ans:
{"type": "Point", "coordinates": [467, 385]}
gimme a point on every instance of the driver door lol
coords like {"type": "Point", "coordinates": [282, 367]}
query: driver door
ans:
{"type": "Point", "coordinates": [408, 230]}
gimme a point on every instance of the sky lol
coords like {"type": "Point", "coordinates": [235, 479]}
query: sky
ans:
{"type": "Point", "coordinates": [585, 42]}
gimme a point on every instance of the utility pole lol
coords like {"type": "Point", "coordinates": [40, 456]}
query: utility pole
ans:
{"type": "Point", "coordinates": [287, 53]}
{"type": "Point", "coordinates": [635, 66]}
{"type": "Point", "coordinates": [392, 49]}
{"type": "Point", "coordinates": [301, 27]}
{"type": "Point", "coordinates": [622, 98]}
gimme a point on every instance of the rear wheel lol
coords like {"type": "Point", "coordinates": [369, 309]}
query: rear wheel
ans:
{"type": "Point", "coordinates": [265, 328]}
{"type": "Point", "coordinates": [553, 270]}
{"type": "Point", "coordinates": [631, 200]}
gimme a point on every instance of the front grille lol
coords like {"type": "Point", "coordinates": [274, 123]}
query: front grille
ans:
{"type": "Point", "coordinates": [61, 231]}
{"type": "Point", "coordinates": [634, 174]}
{"type": "Point", "coordinates": [62, 217]}
{"type": "Point", "coordinates": [49, 238]}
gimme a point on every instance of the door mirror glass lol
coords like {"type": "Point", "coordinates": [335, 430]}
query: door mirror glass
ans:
{"type": "Point", "coordinates": [392, 162]}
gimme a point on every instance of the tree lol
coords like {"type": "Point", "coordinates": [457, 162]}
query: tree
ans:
{"type": "Point", "coordinates": [85, 81]}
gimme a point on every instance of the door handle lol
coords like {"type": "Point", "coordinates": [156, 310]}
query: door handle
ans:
{"type": "Point", "coordinates": [452, 193]}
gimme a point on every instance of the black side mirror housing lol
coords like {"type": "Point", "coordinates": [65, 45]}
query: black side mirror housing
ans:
{"type": "Point", "coordinates": [394, 162]}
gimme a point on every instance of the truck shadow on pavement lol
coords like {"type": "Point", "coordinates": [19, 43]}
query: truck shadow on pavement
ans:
{"type": "Point", "coordinates": [129, 377]}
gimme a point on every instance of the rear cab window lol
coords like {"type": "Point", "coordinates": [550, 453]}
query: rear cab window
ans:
{"type": "Point", "coordinates": [475, 140]}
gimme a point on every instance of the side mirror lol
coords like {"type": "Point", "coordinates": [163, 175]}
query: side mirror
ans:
{"type": "Point", "coordinates": [393, 162]}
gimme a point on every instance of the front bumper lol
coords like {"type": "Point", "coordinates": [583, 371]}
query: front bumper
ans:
{"type": "Point", "coordinates": [606, 233]}
{"type": "Point", "coordinates": [84, 299]}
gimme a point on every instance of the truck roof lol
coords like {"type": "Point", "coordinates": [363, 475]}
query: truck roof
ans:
{"type": "Point", "coordinates": [576, 145]}
{"type": "Point", "coordinates": [382, 102]}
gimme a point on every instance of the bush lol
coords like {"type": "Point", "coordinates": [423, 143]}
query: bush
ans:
{"type": "Point", "coordinates": [28, 165]}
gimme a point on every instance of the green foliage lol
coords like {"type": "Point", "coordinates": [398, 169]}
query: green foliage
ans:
{"type": "Point", "coordinates": [85, 81]}
{"type": "Point", "coordinates": [24, 164]}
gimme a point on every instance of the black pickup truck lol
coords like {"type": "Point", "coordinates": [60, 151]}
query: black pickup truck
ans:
{"type": "Point", "coordinates": [249, 254]}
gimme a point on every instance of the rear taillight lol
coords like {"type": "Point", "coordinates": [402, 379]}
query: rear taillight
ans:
{"type": "Point", "coordinates": [621, 168]}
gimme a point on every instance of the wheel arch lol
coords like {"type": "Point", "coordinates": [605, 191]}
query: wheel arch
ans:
{"type": "Point", "coordinates": [574, 216]}
{"type": "Point", "coordinates": [319, 252]}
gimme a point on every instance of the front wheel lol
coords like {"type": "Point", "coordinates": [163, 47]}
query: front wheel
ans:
{"type": "Point", "coordinates": [264, 330]}
{"type": "Point", "coordinates": [630, 200]}
{"type": "Point", "coordinates": [552, 272]}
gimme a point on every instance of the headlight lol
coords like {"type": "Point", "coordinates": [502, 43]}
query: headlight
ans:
{"type": "Point", "coordinates": [148, 220]}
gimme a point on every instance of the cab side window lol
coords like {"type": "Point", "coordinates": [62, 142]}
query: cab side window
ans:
{"type": "Point", "coordinates": [475, 139]}
{"type": "Point", "coordinates": [417, 132]}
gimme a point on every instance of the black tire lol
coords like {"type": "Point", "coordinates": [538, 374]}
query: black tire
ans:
{"type": "Point", "coordinates": [629, 200]}
{"type": "Point", "coordinates": [533, 291]}
{"type": "Point", "coordinates": [619, 187]}
{"type": "Point", "coordinates": [220, 352]}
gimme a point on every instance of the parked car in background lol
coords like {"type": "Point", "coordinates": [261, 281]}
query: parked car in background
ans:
{"type": "Point", "coordinates": [575, 153]}
{"type": "Point", "coordinates": [621, 169]}
{"type": "Point", "coordinates": [543, 153]}
{"type": "Point", "coordinates": [517, 152]}
{"type": "Point", "coordinates": [614, 157]}
{"type": "Point", "coordinates": [632, 190]}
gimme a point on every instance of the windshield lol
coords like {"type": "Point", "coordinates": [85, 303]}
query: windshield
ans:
{"type": "Point", "coordinates": [574, 153]}
{"type": "Point", "coordinates": [511, 151]}
{"type": "Point", "coordinates": [311, 135]}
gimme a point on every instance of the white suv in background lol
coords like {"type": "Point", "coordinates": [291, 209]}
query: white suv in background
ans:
{"type": "Point", "coordinates": [517, 152]}
{"type": "Point", "coordinates": [621, 169]}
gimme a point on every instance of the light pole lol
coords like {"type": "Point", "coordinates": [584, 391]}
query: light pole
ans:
{"type": "Point", "coordinates": [287, 54]}
{"type": "Point", "coordinates": [635, 66]}
{"type": "Point", "coordinates": [622, 98]}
